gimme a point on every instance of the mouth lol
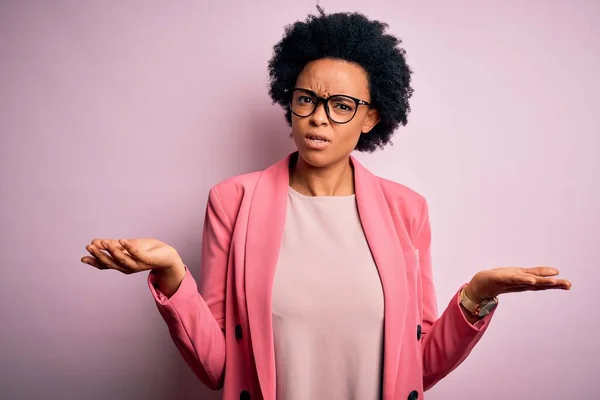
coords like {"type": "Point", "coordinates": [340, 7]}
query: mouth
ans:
{"type": "Point", "coordinates": [316, 142]}
{"type": "Point", "coordinates": [320, 138]}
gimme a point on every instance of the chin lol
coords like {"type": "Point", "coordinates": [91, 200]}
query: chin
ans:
{"type": "Point", "coordinates": [317, 158]}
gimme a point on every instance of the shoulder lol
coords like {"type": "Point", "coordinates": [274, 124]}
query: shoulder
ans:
{"type": "Point", "coordinates": [226, 196]}
{"type": "Point", "coordinates": [408, 199]}
{"type": "Point", "coordinates": [233, 188]}
{"type": "Point", "coordinates": [407, 207]}
{"type": "Point", "coordinates": [403, 201]}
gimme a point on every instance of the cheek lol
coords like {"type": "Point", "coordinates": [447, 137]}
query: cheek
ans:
{"type": "Point", "coordinates": [362, 118]}
{"type": "Point", "coordinates": [299, 125]}
{"type": "Point", "coordinates": [349, 133]}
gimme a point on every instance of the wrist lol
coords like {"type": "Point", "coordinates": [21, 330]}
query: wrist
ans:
{"type": "Point", "coordinates": [474, 294]}
{"type": "Point", "coordinates": [168, 279]}
{"type": "Point", "coordinates": [475, 303]}
{"type": "Point", "coordinates": [173, 268]}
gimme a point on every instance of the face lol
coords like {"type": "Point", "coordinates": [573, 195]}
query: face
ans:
{"type": "Point", "coordinates": [327, 77]}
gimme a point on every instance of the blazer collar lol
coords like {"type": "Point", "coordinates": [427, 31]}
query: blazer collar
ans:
{"type": "Point", "coordinates": [263, 240]}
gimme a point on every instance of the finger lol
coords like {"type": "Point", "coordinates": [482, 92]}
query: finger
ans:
{"type": "Point", "coordinates": [563, 284]}
{"type": "Point", "coordinates": [542, 271]}
{"type": "Point", "coordinates": [546, 281]}
{"type": "Point", "coordinates": [532, 280]}
{"type": "Point", "coordinates": [124, 243]}
{"type": "Point", "coordinates": [541, 280]}
{"type": "Point", "coordinates": [124, 260]}
{"type": "Point", "coordinates": [101, 243]}
{"type": "Point", "coordinates": [114, 243]}
{"type": "Point", "coordinates": [535, 288]}
{"type": "Point", "coordinates": [521, 279]}
{"type": "Point", "coordinates": [93, 262]}
{"type": "Point", "coordinates": [129, 248]}
{"type": "Point", "coordinates": [104, 258]}
{"type": "Point", "coordinates": [98, 242]}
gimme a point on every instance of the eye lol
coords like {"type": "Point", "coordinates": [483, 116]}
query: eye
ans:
{"type": "Point", "coordinates": [305, 99]}
{"type": "Point", "coordinates": [343, 106]}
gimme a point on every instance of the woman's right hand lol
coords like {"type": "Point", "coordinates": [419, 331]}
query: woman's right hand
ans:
{"type": "Point", "coordinates": [132, 255]}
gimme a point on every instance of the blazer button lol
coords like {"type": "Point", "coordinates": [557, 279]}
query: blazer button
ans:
{"type": "Point", "coordinates": [414, 395]}
{"type": "Point", "coordinates": [419, 332]}
{"type": "Point", "coordinates": [238, 332]}
{"type": "Point", "coordinates": [245, 395]}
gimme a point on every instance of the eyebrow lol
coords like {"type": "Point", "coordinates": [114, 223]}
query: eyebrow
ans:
{"type": "Point", "coordinates": [329, 95]}
{"type": "Point", "coordinates": [355, 98]}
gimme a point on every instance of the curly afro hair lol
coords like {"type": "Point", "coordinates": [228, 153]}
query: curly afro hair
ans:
{"type": "Point", "coordinates": [354, 38]}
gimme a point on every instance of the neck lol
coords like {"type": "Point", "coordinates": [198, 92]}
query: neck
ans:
{"type": "Point", "coordinates": [333, 180]}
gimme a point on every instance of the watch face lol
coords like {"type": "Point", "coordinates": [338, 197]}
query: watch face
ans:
{"type": "Point", "coordinates": [487, 308]}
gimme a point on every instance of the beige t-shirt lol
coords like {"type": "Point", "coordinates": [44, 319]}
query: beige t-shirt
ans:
{"type": "Point", "coordinates": [327, 304]}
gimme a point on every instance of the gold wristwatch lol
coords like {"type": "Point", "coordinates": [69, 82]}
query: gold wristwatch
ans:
{"type": "Point", "coordinates": [478, 310]}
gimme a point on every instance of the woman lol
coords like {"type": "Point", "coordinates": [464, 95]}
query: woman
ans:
{"type": "Point", "coordinates": [316, 278]}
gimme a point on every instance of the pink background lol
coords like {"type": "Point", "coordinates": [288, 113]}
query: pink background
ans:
{"type": "Point", "coordinates": [116, 117]}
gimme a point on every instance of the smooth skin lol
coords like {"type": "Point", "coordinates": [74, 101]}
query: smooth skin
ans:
{"type": "Point", "coordinates": [324, 172]}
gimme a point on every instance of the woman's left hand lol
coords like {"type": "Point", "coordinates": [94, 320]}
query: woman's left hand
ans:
{"type": "Point", "coordinates": [491, 283]}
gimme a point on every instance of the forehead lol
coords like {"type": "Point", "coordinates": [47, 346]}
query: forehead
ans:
{"type": "Point", "coordinates": [327, 77]}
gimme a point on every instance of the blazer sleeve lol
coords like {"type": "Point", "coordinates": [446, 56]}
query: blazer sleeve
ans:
{"type": "Point", "coordinates": [447, 340]}
{"type": "Point", "coordinates": [196, 318]}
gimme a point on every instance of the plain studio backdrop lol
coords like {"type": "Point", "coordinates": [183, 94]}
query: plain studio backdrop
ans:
{"type": "Point", "coordinates": [116, 117]}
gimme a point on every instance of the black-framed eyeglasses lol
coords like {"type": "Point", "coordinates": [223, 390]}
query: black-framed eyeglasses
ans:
{"type": "Point", "coordinates": [340, 108]}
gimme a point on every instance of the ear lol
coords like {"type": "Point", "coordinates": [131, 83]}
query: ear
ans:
{"type": "Point", "coordinates": [371, 119]}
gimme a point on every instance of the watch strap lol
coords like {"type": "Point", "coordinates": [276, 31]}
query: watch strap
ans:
{"type": "Point", "coordinates": [471, 306]}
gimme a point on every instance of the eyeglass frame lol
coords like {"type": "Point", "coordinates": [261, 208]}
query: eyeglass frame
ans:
{"type": "Point", "coordinates": [325, 101]}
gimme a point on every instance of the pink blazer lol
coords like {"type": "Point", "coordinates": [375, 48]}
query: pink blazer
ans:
{"type": "Point", "coordinates": [223, 327]}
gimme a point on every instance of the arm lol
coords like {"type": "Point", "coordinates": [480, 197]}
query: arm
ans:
{"type": "Point", "coordinates": [449, 339]}
{"type": "Point", "coordinates": [196, 319]}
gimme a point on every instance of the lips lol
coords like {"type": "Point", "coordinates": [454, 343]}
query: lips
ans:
{"type": "Point", "coordinates": [317, 142]}
{"type": "Point", "coordinates": [316, 136]}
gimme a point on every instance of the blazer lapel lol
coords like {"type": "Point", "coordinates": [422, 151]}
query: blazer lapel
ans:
{"type": "Point", "coordinates": [263, 240]}
{"type": "Point", "coordinates": [378, 225]}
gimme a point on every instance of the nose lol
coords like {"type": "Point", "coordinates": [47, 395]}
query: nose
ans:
{"type": "Point", "coordinates": [319, 117]}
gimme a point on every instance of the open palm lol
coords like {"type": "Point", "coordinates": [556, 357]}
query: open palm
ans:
{"type": "Point", "coordinates": [493, 282]}
{"type": "Point", "coordinates": [131, 255]}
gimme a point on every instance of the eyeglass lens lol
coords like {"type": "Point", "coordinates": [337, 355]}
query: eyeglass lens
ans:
{"type": "Point", "coordinates": [341, 108]}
